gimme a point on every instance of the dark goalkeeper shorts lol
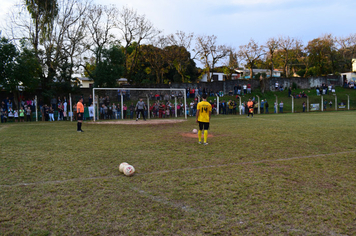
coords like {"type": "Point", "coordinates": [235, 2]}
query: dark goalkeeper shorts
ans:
{"type": "Point", "coordinates": [203, 125]}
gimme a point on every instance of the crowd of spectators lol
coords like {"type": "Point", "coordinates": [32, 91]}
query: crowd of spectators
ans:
{"type": "Point", "coordinates": [16, 112]}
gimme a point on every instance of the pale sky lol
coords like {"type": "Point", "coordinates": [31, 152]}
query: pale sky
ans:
{"type": "Point", "coordinates": [235, 22]}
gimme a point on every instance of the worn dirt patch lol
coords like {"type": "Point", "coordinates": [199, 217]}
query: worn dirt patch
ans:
{"type": "Point", "coordinates": [139, 122]}
{"type": "Point", "coordinates": [192, 135]}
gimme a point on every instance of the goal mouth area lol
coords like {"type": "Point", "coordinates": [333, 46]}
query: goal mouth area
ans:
{"type": "Point", "coordinates": [139, 122]}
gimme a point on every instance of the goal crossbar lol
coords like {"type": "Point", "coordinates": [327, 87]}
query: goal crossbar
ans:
{"type": "Point", "coordinates": [141, 89]}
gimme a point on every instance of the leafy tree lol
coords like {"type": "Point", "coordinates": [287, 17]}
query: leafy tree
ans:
{"type": "Point", "coordinates": [18, 69]}
{"type": "Point", "coordinates": [109, 69]}
{"type": "Point", "coordinates": [323, 55]}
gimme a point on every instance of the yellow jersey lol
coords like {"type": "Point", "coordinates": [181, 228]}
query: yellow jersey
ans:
{"type": "Point", "coordinates": [204, 109]}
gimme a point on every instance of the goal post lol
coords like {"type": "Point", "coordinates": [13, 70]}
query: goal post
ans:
{"type": "Point", "coordinates": [96, 102]}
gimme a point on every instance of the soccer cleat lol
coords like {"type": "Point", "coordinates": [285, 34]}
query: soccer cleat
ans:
{"type": "Point", "coordinates": [205, 143]}
{"type": "Point", "coordinates": [199, 142]}
{"type": "Point", "coordinates": [81, 131]}
{"type": "Point", "coordinates": [136, 119]}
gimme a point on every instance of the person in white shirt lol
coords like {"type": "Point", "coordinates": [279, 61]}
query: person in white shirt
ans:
{"type": "Point", "coordinates": [91, 111]}
{"type": "Point", "coordinates": [65, 109]}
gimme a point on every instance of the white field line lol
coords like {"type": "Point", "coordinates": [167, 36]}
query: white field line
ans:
{"type": "Point", "coordinates": [176, 170]}
{"type": "Point", "coordinates": [161, 200]}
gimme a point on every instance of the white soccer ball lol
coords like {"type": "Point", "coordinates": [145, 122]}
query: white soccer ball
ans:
{"type": "Point", "coordinates": [122, 166]}
{"type": "Point", "coordinates": [195, 131]}
{"type": "Point", "coordinates": [129, 170]}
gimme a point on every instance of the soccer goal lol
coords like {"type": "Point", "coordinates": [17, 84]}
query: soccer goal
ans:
{"type": "Point", "coordinates": [133, 94]}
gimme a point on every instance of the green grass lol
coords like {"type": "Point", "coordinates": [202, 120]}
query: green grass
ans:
{"type": "Point", "coordinates": [285, 174]}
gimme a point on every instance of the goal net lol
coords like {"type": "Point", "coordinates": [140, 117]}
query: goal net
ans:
{"type": "Point", "coordinates": [120, 103]}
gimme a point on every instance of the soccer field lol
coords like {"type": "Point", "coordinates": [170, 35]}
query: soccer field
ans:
{"type": "Point", "coordinates": [285, 174]}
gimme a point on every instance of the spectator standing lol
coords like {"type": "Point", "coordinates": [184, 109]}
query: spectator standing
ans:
{"type": "Point", "coordinates": [244, 88]}
{"type": "Point", "coordinates": [16, 115]}
{"type": "Point", "coordinates": [51, 114]}
{"type": "Point", "coordinates": [28, 114]}
{"type": "Point", "coordinates": [114, 111]}
{"type": "Point", "coordinates": [60, 111]}
{"type": "Point", "coordinates": [54, 102]}
{"type": "Point", "coordinates": [304, 106]}
{"type": "Point", "coordinates": [132, 110]}
{"type": "Point", "coordinates": [65, 109]}
{"type": "Point", "coordinates": [248, 88]}
{"type": "Point", "coordinates": [90, 100]}
{"type": "Point", "coordinates": [2, 114]}
{"type": "Point", "coordinates": [91, 111]}
{"type": "Point", "coordinates": [124, 110]}
{"type": "Point", "coordinates": [22, 114]}
{"type": "Point", "coordinates": [266, 106]}
{"type": "Point", "coordinates": [262, 106]}
{"type": "Point", "coordinates": [281, 107]}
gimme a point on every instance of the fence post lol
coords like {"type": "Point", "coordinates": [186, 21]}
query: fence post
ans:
{"type": "Point", "coordinates": [307, 103]}
{"type": "Point", "coordinates": [348, 102]}
{"type": "Point", "coordinates": [240, 105]}
{"type": "Point", "coordinates": [71, 107]}
{"type": "Point", "coordinates": [217, 105]}
{"type": "Point", "coordinates": [258, 107]}
{"type": "Point", "coordinates": [36, 108]}
{"type": "Point", "coordinates": [148, 106]}
{"type": "Point", "coordinates": [276, 105]}
{"type": "Point", "coordinates": [322, 102]}
{"type": "Point", "coordinates": [292, 104]}
{"type": "Point", "coordinates": [175, 106]}
{"type": "Point", "coordinates": [122, 105]}
{"type": "Point", "coordinates": [335, 102]}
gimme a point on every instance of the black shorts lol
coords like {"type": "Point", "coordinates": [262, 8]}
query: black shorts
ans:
{"type": "Point", "coordinates": [204, 125]}
{"type": "Point", "coordinates": [80, 117]}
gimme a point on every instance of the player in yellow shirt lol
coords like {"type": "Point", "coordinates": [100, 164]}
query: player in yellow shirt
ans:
{"type": "Point", "coordinates": [203, 118]}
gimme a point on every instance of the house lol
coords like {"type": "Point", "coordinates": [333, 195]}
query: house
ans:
{"type": "Point", "coordinates": [348, 77]}
{"type": "Point", "coordinates": [245, 73]}
{"type": "Point", "coordinates": [84, 82]}
{"type": "Point", "coordinates": [218, 76]}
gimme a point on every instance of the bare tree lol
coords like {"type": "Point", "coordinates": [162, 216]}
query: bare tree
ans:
{"type": "Point", "coordinates": [181, 39]}
{"type": "Point", "coordinates": [209, 53]}
{"type": "Point", "coordinates": [56, 46]}
{"type": "Point", "coordinates": [134, 29]}
{"type": "Point", "coordinates": [288, 45]}
{"type": "Point", "coordinates": [272, 46]}
{"type": "Point", "coordinates": [250, 53]}
{"type": "Point", "coordinates": [101, 21]}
